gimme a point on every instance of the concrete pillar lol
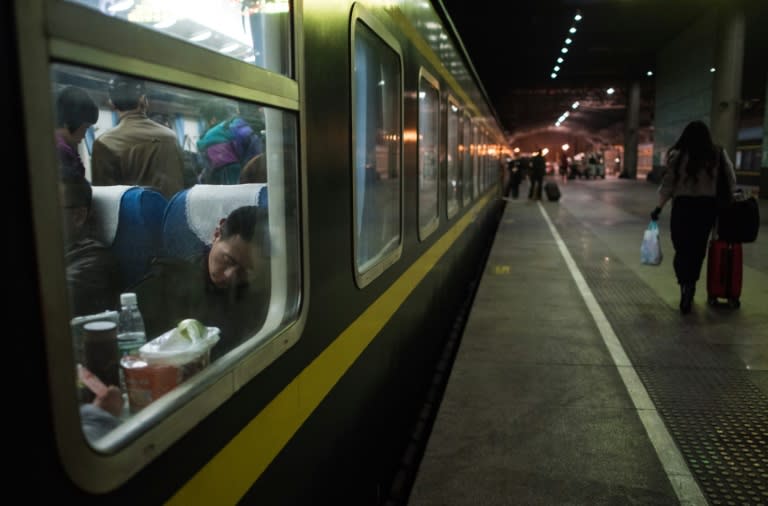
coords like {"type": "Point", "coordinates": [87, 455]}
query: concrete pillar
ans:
{"type": "Point", "coordinates": [726, 86]}
{"type": "Point", "coordinates": [631, 131]}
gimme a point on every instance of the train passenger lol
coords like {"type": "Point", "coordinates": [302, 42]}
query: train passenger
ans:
{"type": "Point", "coordinates": [516, 177]}
{"type": "Point", "coordinates": [101, 415]}
{"type": "Point", "coordinates": [690, 181]}
{"type": "Point", "coordinates": [228, 145]}
{"type": "Point", "coordinates": [563, 168]}
{"type": "Point", "coordinates": [255, 171]}
{"type": "Point", "coordinates": [225, 285]}
{"type": "Point", "coordinates": [92, 271]}
{"type": "Point", "coordinates": [138, 150]}
{"type": "Point", "coordinates": [75, 113]}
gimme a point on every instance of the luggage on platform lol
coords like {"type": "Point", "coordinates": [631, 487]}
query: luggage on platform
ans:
{"type": "Point", "coordinates": [740, 221]}
{"type": "Point", "coordinates": [552, 191]}
{"type": "Point", "coordinates": [724, 272]}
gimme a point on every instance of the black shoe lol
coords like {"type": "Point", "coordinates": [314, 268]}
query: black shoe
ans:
{"type": "Point", "coordinates": [687, 292]}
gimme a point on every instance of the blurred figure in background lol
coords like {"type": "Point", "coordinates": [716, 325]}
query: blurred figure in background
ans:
{"type": "Point", "coordinates": [563, 168]}
{"type": "Point", "coordinates": [538, 170]}
{"type": "Point", "coordinates": [229, 146]}
{"type": "Point", "coordinates": [76, 112]}
{"type": "Point", "coordinates": [515, 177]}
{"type": "Point", "coordinates": [91, 270]}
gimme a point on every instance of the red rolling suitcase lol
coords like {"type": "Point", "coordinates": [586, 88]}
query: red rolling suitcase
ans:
{"type": "Point", "coordinates": [724, 272]}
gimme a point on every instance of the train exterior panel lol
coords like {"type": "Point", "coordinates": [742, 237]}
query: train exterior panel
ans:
{"type": "Point", "coordinates": [381, 172]}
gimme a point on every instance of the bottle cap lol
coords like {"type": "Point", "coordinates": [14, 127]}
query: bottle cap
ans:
{"type": "Point", "coordinates": [127, 298]}
{"type": "Point", "coordinates": [99, 326]}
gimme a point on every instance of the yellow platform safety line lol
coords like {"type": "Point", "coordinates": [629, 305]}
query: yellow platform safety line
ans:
{"type": "Point", "coordinates": [232, 471]}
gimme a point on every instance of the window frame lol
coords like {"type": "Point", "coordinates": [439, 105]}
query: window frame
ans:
{"type": "Point", "coordinates": [466, 159]}
{"type": "Point", "coordinates": [373, 271]}
{"type": "Point", "coordinates": [453, 102]}
{"type": "Point", "coordinates": [427, 229]}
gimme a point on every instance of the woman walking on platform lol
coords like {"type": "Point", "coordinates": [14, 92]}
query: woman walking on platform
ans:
{"type": "Point", "coordinates": [690, 181]}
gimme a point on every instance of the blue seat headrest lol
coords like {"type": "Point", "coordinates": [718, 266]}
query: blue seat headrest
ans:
{"type": "Point", "coordinates": [128, 219]}
{"type": "Point", "coordinates": [192, 215]}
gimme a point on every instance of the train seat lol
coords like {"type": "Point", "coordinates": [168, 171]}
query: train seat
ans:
{"type": "Point", "coordinates": [192, 215]}
{"type": "Point", "coordinates": [128, 220]}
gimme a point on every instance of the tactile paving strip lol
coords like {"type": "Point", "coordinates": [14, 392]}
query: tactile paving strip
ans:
{"type": "Point", "coordinates": [714, 412]}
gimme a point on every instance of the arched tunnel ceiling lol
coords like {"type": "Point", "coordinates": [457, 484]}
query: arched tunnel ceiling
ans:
{"type": "Point", "coordinates": [615, 44]}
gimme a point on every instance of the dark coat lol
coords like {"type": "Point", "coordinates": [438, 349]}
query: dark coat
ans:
{"type": "Point", "coordinates": [93, 277]}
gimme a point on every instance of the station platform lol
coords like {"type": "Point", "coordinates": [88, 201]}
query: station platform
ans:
{"type": "Point", "coordinates": [577, 381]}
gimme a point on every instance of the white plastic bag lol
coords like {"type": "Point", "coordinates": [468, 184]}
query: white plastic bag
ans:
{"type": "Point", "coordinates": [650, 249]}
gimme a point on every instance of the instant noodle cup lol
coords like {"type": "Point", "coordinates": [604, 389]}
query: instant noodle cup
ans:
{"type": "Point", "coordinates": [145, 383]}
{"type": "Point", "coordinates": [189, 352]}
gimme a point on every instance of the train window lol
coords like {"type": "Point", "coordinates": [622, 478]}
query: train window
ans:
{"type": "Point", "coordinates": [452, 159]}
{"type": "Point", "coordinates": [429, 115]}
{"type": "Point", "coordinates": [476, 145]}
{"type": "Point", "coordinates": [377, 134]}
{"type": "Point", "coordinates": [189, 201]}
{"type": "Point", "coordinates": [483, 161]}
{"type": "Point", "coordinates": [466, 164]}
{"type": "Point", "coordinates": [250, 31]}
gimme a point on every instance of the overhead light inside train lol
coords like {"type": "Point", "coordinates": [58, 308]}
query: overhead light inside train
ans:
{"type": "Point", "coordinates": [199, 37]}
{"type": "Point", "coordinates": [229, 47]}
{"type": "Point", "coordinates": [120, 6]}
{"type": "Point", "coordinates": [166, 23]}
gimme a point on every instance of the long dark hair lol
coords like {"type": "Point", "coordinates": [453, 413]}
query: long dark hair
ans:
{"type": "Point", "coordinates": [696, 142]}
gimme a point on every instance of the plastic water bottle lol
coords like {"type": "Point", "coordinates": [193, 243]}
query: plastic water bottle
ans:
{"type": "Point", "coordinates": [130, 327]}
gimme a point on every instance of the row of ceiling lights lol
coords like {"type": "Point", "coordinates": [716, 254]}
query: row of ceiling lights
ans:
{"type": "Point", "coordinates": [560, 60]}
{"type": "Point", "coordinates": [564, 49]}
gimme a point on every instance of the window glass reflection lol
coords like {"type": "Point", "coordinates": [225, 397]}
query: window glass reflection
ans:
{"type": "Point", "coordinates": [466, 166]}
{"type": "Point", "coordinates": [377, 120]}
{"type": "Point", "coordinates": [429, 110]}
{"type": "Point", "coordinates": [452, 160]}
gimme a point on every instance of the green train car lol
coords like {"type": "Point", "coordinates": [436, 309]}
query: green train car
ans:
{"type": "Point", "coordinates": [374, 176]}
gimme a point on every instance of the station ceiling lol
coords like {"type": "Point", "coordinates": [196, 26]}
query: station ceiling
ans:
{"type": "Point", "coordinates": [514, 47]}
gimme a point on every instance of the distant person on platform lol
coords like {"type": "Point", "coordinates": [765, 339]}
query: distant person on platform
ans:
{"type": "Point", "coordinates": [138, 151]}
{"type": "Point", "coordinates": [538, 170]}
{"type": "Point", "coordinates": [515, 177]}
{"type": "Point", "coordinates": [563, 168]}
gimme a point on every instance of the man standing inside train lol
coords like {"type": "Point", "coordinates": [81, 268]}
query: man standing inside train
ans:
{"type": "Point", "coordinates": [138, 151]}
